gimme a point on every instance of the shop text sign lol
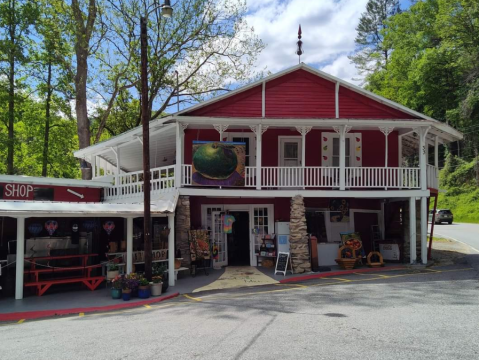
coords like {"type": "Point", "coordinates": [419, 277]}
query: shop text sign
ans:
{"type": "Point", "coordinates": [16, 191]}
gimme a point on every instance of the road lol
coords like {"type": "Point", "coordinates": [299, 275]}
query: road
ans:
{"type": "Point", "coordinates": [466, 233]}
{"type": "Point", "coordinates": [399, 314]}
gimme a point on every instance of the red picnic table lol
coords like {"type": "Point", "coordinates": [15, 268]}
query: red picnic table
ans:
{"type": "Point", "coordinates": [92, 282]}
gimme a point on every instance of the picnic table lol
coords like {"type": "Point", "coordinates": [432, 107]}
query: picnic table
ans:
{"type": "Point", "coordinates": [92, 282]}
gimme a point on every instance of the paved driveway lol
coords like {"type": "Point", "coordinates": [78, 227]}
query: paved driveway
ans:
{"type": "Point", "coordinates": [466, 233]}
{"type": "Point", "coordinates": [408, 314]}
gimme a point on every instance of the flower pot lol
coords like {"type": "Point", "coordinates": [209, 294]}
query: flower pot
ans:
{"type": "Point", "coordinates": [178, 263]}
{"type": "Point", "coordinates": [156, 289]}
{"type": "Point", "coordinates": [126, 294]}
{"type": "Point", "coordinates": [134, 292]}
{"type": "Point", "coordinates": [144, 292]}
{"type": "Point", "coordinates": [116, 293]}
{"type": "Point", "coordinates": [112, 274]}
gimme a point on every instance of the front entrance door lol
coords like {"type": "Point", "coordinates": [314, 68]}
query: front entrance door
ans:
{"type": "Point", "coordinates": [239, 240]}
{"type": "Point", "coordinates": [290, 151]}
{"type": "Point", "coordinates": [219, 240]}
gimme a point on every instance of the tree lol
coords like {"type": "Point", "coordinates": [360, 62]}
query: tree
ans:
{"type": "Point", "coordinates": [16, 20]}
{"type": "Point", "coordinates": [372, 52]}
{"type": "Point", "coordinates": [207, 42]}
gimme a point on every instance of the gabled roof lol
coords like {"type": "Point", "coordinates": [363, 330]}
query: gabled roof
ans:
{"type": "Point", "coordinates": [316, 72]}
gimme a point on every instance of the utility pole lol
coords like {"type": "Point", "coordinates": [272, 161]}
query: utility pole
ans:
{"type": "Point", "coordinates": [145, 120]}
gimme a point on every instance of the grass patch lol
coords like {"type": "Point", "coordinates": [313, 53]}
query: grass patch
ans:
{"type": "Point", "coordinates": [440, 239]}
{"type": "Point", "coordinates": [463, 204]}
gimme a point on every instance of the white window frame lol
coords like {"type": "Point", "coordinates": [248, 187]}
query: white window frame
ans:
{"type": "Point", "coordinates": [280, 150]}
{"type": "Point", "coordinates": [252, 143]}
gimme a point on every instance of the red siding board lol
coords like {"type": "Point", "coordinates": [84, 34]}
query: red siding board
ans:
{"type": "Point", "coordinates": [245, 104]}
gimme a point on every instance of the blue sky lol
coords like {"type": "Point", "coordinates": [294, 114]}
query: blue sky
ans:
{"type": "Point", "coordinates": [328, 28]}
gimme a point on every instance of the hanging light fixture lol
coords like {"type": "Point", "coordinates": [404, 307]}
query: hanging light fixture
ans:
{"type": "Point", "coordinates": [166, 9]}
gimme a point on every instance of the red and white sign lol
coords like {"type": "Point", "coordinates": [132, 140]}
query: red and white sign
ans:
{"type": "Point", "coordinates": [18, 192]}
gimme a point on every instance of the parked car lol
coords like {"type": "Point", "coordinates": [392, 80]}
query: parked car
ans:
{"type": "Point", "coordinates": [442, 215]}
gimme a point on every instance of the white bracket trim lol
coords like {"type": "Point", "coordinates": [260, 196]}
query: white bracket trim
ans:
{"type": "Point", "coordinates": [342, 129]}
{"type": "Point", "coordinates": [386, 130]}
{"type": "Point", "coordinates": [303, 130]}
{"type": "Point", "coordinates": [221, 128]}
{"type": "Point", "coordinates": [254, 129]}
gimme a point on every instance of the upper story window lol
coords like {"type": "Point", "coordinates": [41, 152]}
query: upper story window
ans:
{"type": "Point", "coordinates": [336, 151]}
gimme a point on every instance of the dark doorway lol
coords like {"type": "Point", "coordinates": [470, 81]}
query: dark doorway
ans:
{"type": "Point", "coordinates": [238, 240]}
{"type": "Point", "coordinates": [362, 224]}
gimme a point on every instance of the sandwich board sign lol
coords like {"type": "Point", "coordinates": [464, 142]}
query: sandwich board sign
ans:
{"type": "Point", "coordinates": [282, 263]}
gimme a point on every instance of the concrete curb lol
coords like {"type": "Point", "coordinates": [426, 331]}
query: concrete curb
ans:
{"type": "Point", "coordinates": [28, 315]}
{"type": "Point", "coordinates": [339, 273]}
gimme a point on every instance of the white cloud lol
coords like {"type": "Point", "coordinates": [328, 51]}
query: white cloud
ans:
{"type": "Point", "coordinates": [328, 28]}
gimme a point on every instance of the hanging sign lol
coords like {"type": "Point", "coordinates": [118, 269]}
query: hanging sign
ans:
{"type": "Point", "coordinates": [282, 263]}
{"type": "Point", "coordinates": [51, 226]}
{"type": "Point", "coordinates": [109, 226]}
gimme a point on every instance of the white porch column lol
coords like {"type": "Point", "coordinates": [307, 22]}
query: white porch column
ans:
{"type": "Point", "coordinates": [129, 245]}
{"type": "Point", "coordinates": [436, 152]}
{"type": "Point", "coordinates": [171, 250]}
{"type": "Point", "coordinates": [116, 150]}
{"type": "Point", "coordinates": [424, 217]}
{"type": "Point", "coordinates": [342, 131]}
{"type": "Point", "coordinates": [258, 130]}
{"type": "Point", "coordinates": [20, 258]}
{"type": "Point", "coordinates": [386, 131]}
{"type": "Point", "coordinates": [180, 156]}
{"type": "Point", "coordinates": [221, 128]}
{"type": "Point", "coordinates": [422, 132]}
{"type": "Point", "coordinates": [303, 130]}
{"type": "Point", "coordinates": [412, 229]}
{"type": "Point", "coordinates": [93, 166]}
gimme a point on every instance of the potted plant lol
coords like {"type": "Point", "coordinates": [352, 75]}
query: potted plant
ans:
{"type": "Point", "coordinates": [129, 285]}
{"type": "Point", "coordinates": [156, 286]}
{"type": "Point", "coordinates": [116, 287]}
{"type": "Point", "coordinates": [112, 271]}
{"type": "Point", "coordinates": [144, 289]}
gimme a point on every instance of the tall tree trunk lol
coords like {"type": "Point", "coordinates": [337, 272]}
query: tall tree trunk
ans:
{"type": "Point", "coordinates": [83, 123]}
{"type": "Point", "coordinates": [47, 119]}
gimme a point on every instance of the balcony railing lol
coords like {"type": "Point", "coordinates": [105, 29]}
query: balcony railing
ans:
{"type": "Point", "coordinates": [273, 177]}
{"type": "Point", "coordinates": [130, 185]}
{"type": "Point", "coordinates": [432, 177]}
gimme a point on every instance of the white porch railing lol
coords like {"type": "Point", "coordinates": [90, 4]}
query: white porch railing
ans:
{"type": "Point", "coordinates": [432, 177]}
{"type": "Point", "coordinates": [381, 177]}
{"type": "Point", "coordinates": [131, 184]}
{"type": "Point", "coordinates": [299, 177]}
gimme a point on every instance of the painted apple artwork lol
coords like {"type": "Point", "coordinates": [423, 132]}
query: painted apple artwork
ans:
{"type": "Point", "coordinates": [218, 163]}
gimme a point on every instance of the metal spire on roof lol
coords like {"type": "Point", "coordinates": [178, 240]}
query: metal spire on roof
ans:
{"type": "Point", "coordinates": [299, 50]}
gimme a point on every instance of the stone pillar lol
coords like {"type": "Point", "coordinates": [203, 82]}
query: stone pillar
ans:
{"type": "Point", "coordinates": [298, 237]}
{"type": "Point", "coordinates": [182, 225]}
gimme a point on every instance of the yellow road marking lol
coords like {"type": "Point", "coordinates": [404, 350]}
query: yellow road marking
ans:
{"type": "Point", "coordinates": [288, 284]}
{"type": "Point", "coordinates": [147, 306]}
{"type": "Point", "coordinates": [20, 321]}
{"type": "Point", "coordinates": [344, 280]}
{"type": "Point", "coordinates": [81, 314]}
{"type": "Point", "coordinates": [191, 297]}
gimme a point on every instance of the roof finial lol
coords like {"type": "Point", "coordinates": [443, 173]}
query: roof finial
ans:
{"type": "Point", "coordinates": [299, 51]}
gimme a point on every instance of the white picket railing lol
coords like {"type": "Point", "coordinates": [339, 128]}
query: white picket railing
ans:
{"type": "Point", "coordinates": [131, 184]}
{"type": "Point", "coordinates": [381, 177]}
{"type": "Point", "coordinates": [272, 177]}
{"type": "Point", "coordinates": [432, 177]}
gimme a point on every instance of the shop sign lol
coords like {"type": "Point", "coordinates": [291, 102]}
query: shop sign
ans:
{"type": "Point", "coordinates": [16, 191]}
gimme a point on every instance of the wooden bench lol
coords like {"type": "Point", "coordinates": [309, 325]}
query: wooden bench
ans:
{"type": "Point", "coordinates": [92, 282]}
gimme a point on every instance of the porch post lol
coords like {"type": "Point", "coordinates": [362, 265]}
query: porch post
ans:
{"type": "Point", "coordinates": [179, 150]}
{"type": "Point", "coordinates": [412, 229]}
{"type": "Point", "coordinates": [20, 258]}
{"type": "Point", "coordinates": [171, 250]}
{"type": "Point", "coordinates": [129, 245]}
{"type": "Point", "coordinates": [117, 175]}
{"type": "Point", "coordinates": [424, 216]}
{"type": "Point", "coordinates": [342, 131]}
{"type": "Point", "coordinates": [386, 131]}
{"type": "Point", "coordinates": [258, 130]}
{"type": "Point", "coordinates": [93, 166]}
{"type": "Point", "coordinates": [303, 130]}
{"type": "Point", "coordinates": [422, 132]}
{"type": "Point", "coordinates": [436, 152]}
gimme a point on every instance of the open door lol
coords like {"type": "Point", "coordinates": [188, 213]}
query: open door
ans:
{"type": "Point", "coordinates": [219, 240]}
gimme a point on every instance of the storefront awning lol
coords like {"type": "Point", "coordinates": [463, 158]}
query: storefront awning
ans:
{"type": "Point", "coordinates": [166, 204]}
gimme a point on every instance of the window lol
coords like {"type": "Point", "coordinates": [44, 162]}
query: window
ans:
{"type": "Point", "coordinates": [336, 152]}
{"type": "Point", "coordinates": [248, 154]}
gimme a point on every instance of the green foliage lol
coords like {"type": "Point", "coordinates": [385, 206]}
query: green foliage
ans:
{"type": "Point", "coordinates": [458, 178]}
